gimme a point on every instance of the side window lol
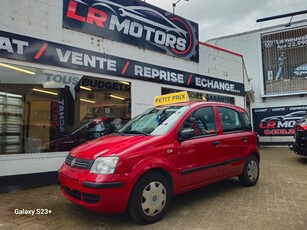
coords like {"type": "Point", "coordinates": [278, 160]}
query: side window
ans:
{"type": "Point", "coordinates": [247, 122]}
{"type": "Point", "coordinates": [230, 119]}
{"type": "Point", "coordinates": [201, 121]}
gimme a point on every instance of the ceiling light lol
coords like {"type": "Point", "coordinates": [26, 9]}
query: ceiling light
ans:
{"type": "Point", "coordinates": [89, 101]}
{"type": "Point", "coordinates": [124, 82]}
{"type": "Point", "coordinates": [10, 95]}
{"type": "Point", "coordinates": [45, 91]}
{"type": "Point", "coordinates": [17, 68]}
{"type": "Point", "coordinates": [85, 88]}
{"type": "Point", "coordinates": [117, 97]}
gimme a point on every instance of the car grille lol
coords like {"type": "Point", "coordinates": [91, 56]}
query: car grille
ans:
{"type": "Point", "coordinates": [82, 196]}
{"type": "Point", "coordinates": [78, 163]}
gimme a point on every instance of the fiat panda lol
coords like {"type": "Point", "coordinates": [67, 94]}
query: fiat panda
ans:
{"type": "Point", "coordinates": [165, 151]}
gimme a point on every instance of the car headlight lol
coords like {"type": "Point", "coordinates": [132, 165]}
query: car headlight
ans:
{"type": "Point", "coordinates": [104, 165]}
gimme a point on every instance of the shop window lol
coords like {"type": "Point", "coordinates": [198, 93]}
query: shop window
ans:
{"type": "Point", "coordinates": [45, 111]}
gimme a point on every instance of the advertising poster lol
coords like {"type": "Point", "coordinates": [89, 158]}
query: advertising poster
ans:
{"type": "Point", "coordinates": [284, 56]}
{"type": "Point", "coordinates": [277, 121]}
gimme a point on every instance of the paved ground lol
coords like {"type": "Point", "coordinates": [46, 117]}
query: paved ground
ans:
{"type": "Point", "coordinates": [279, 201]}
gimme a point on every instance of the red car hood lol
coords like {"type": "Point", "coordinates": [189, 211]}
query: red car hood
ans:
{"type": "Point", "coordinates": [109, 145]}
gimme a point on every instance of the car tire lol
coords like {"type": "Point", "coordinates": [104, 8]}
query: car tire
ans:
{"type": "Point", "coordinates": [251, 171]}
{"type": "Point", "coordinates": [150, 198]}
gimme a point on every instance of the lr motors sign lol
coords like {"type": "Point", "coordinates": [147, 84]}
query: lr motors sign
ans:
{"type": "Point", "coordinates": [277, 121]}
{"type": "Point", "coordinates": [134, 22]}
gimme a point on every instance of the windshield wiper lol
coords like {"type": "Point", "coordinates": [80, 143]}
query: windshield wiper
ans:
{"type": "Point", "coordinates": [120, 133]}
{"type": "Point", "coordinates": [136, 132]}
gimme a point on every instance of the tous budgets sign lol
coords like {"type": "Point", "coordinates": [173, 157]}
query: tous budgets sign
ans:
{"type": "Point", "coordinates": [134, 22]}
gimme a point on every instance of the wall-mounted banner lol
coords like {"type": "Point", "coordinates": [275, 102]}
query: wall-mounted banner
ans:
{"type": "Point", "coordinates": [284, 55]}
{"type": "Point", "coordinates": [277, 121]}
{"type": "Point", "coordinates": [134, 22]}
{"type": "Point", "coordinates": [196, 96]}
{"type": "Point", "coordinates": [29, 49]}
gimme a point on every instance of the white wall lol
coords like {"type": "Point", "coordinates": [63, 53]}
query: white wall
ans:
{"type": "Point", "coordinates": [223, 64]}
{"type": "Point", "coordinates": [17, 164]}
{"type": "Point", "coordinates": [143, 94]}
{"type": "Point", "coordinates": [220, 64]}
{"type": "Point", "coordinates": [247, 45]}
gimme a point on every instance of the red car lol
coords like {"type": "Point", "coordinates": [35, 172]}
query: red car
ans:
{"type": "Point", "coordinates": [165, 151]}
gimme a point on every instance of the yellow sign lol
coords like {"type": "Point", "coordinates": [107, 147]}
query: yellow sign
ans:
{"type": "Point", "coordinates": [171, 98]}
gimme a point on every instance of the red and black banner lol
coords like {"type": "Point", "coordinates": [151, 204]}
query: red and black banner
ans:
{"type": "Point", "coordinates": [277, 121]}
{"type": "Point", "coordinates": [134, 22]}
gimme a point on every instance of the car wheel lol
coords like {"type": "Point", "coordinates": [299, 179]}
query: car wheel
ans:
{"type": "Point", "coordinates": [251, 170]}
{"type": "Point", "coordinates": [150, 198]}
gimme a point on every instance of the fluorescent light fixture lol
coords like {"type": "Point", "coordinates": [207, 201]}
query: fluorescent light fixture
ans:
{"type": "Point", "coordinates": [85, 88]}
{"type": "Point", "coordinates": [124, 82]}
{"type": "Point", "coordinates": [10, 95]}
{"type": "Point", "coordinates": [45, 91]}
{"type": "Point", "coordinates": [89, 101]}
{"type": "Point", "coordinates": [117, 97]}
{"type": "Point", "coordinates": [16, 68]}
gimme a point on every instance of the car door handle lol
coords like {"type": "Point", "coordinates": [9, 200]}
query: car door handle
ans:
{"type": "Point", "coordinates": [244, 139]}
{"type": "Point", "coordinates": [216, 143]}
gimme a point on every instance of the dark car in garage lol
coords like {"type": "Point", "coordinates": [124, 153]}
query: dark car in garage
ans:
{"type": "Point", "coordinates": [93, 129]}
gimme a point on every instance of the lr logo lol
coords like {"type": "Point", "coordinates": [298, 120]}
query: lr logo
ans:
{"type": "Point", "coordinates": [93, 15]}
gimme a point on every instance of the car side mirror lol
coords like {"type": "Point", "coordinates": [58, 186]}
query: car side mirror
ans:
{"type": "Point", "coordinates": [186, 134]}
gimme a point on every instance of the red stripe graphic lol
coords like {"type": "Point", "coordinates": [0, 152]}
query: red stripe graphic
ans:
{"type": "Point", "coordinates": [125, 67]}
{"type": "Point", "coordinates": [190, 78]}
{"type": "Point", "coordinates": [41, 51]}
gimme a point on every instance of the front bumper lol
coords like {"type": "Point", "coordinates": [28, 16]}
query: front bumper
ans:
{"type": "Point", "coordinates": [298, 149]}
{"type": "Point", "coordinates": [99, 193]}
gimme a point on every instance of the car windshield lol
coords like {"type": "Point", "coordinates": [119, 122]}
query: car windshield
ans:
{"type": "Point", "coordinates": [156, 121]}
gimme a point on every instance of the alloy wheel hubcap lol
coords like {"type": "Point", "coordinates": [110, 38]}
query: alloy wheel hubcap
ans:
{"type": "Point", "coordinates": [252, 170]}
{"type": "Point", "coordinates": [153, 198]}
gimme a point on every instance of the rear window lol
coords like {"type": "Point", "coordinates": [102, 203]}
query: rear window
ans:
{"type": "Point", "coordinates": [230, 120]}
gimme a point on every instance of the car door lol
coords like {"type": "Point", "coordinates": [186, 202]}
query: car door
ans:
{"type": "Point", "coordinates": [234, 143]}
{"type": "Point", "coordinates": [198, 156]}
